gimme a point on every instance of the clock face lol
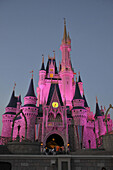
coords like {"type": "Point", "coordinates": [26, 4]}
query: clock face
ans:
{"type": "Point", "coordinates": [55, 104]}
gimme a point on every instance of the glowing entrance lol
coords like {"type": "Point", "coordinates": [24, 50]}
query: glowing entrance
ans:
{"type": "Point", "coordinates": [54, 140]}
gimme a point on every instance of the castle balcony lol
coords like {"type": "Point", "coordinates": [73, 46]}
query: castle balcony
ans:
{"type": "Point", "coordinates": [55, 124]}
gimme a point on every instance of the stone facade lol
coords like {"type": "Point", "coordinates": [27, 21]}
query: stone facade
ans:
{"type": "Point", "coordinates": [58, 162]}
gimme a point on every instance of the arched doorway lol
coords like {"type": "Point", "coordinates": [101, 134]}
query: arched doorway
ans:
{"type": "Point", "coordinates": [54, 140]}
{"type": "Point", "coordinates": [5, 166]}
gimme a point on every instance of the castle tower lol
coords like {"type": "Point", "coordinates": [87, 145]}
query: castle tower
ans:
{"type": "Point", "coordinates": [30, 110]}
{"type": "Point", "coordinates": [40, 89]}
{"type": "Point", "coordinates": [8, 116]}
{"type": "Point", "coordinates": [80, 84]}
{"type": "Point", "coordinates": [79, 114]}
{"type": "Point", "coordinates": [66, 72]}
{"type": "Point", "coordinates": [18, 104]}
{"type": "Point", "coordinates": [99, 120]}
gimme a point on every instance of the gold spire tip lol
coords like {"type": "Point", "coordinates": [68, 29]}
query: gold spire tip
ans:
{"type": "Point", "coordinates": [76, 78]}
{"type": "Point", "coordinates": [42, 58]}
{"type": "Point", "coordinates": [79, 73]}
{"type": "Point", "coordinates": [54, 54]}
{"type": "Point", "coordinates": [14, 86]}
{"type": "Point", "coordinates": [96, 100]}
{"type": "Point", "coordinates": [32, 74]}
{"type": "Point", "coordinates": [64, 21]}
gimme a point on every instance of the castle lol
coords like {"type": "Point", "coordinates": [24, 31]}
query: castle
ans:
{"type": "Point", "coordinates": [59, 115]}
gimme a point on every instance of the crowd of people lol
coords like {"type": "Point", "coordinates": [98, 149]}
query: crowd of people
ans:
{"type": "Point", "coordinates": [54, 151]}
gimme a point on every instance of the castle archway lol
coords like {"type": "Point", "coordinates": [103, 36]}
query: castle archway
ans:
{"type": "Point", "coordinates": [54, 140]}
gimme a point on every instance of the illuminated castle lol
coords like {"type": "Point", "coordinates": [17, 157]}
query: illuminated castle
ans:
{"type": "Point", "coordinates": [60, 114]}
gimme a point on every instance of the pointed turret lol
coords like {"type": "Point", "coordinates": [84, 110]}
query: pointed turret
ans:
{"type": "Point", "coordinates": [31, 89]}
{"type": "Point", "coordinates": [65, 49]}
{"type": "Point", "coordinates": [13, 100]}
{"type": "Point", "coordinates": [53, 88]}
{"type": "Point", "coordinates": [79, 78]}
{"type": "Point", "coordinates": [97, 113]}
{"type": "Point", "coordinates": [51, 67]}
{"type": "Point", "coordinates": [42, 67]}
{"type": "Point", "coordinates": [77, 92]}
{"type": "Point", "coordinates": [30, 98]}
{"type": "Point", "coordinates": [80, 84]}
{"type": "Point", "coordinates": [85, 102]}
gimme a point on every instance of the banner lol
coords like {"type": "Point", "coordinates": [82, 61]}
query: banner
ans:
{"type": "Point", "coordinates": [37, 130]}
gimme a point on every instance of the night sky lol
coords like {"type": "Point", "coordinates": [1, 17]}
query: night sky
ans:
{"type": "Point", "coordinates": [30, 28]}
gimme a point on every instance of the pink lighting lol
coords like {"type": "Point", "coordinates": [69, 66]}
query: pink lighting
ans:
{"type": "Point", "coordinates": [60, 108]}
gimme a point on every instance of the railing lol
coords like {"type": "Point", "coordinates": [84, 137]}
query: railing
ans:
{"type": "Point", "coordinates": [5, 140]}
{"type": "Point", "coordinates": [55, 124]}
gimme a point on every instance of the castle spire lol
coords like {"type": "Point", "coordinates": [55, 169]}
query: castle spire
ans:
{"type": "Point", "coordinates": [65, 32]}
{"type": "Point", "coordinates": [85, 101]}
{"type": "Point", "coordinates": [13, 99]}
{"type": "Point", "coordinates": [79, 78]}
{"type": "Point", "coordinates": [97, 112]}
{"type": "Point", "coordinates": [54, 54]}
{"type": "Point", "coordinates": [31, 89]}
{"type": "Point", "coordinates": [42, 67]}
{"type": "Point", "coordinates": [77, 92]}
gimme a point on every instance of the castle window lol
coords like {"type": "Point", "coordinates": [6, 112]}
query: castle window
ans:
{"type": "Point", "coordinates": [51, 75]}
{"type": "Point", "coordinates": [58, 118]}
{"type": "Point", "coordinates": [51, 117]}
{"type": "Point", "coordinates": [51, 69]}
{"type": "Point", "coordinates": [89, 141]}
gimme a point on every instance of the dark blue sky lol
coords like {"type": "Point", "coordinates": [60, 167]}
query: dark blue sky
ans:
{"type": "Point", "coordinates": [30, 28]}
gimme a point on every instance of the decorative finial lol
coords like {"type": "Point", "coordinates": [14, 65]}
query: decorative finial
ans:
{"type": "Point", "coordinates": [32, 73]}
{"type": "Point", "coordinates": [49, 56]}
{"type": "Point", "coordinates": [42, 58]}
{"type": "Point", "coordinates": [68, 36]}
{"type": "Point", "coordinates": [96, 100]}
{"type": "Point", "coordinates": [65, 32]}
{"type": "Point", "coordinates": [14, 86]}
{"type": "Point", "coordinates": [79, 73]}
{"type": "Point", "coordinates": [54, 54]}
{"type": "Point", "coordinates": [76, 78]}
{"type": "Point", "coordinates": [64, 21]}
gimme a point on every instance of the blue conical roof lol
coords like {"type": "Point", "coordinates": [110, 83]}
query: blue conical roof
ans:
{"type": "Point", "coordinates": [42, 67]}
{"type": "Point", "coordinates": [13, 100]}
{"type": "Point", "coordinates": [79, 79]}
{"type": "Point", "coordinates": [97, 112]}
{"type": "Point", "coordinates": [31, 89]}
{"type": "Point", "coordinates": [85, 102]}
{"type": "Point", "coordinates": [51, 91]}
{"type": "Point", "coordinates": [77, 92]}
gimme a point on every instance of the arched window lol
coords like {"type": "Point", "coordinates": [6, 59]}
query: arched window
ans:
{"type": "Point", "coordinates": [103, 168]}
{"type": "Point", "coordinates": [50, 117]}
{"type": "Point", "coordinates": [89, 141]}
{"type": "Point", "coordinates": [58, 118]}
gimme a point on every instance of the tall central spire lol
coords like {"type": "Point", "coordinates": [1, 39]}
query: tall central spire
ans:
{"type": "Point", "coordinates": [65, 32]}
{"type": "Point", "coordinates": [65, 49]}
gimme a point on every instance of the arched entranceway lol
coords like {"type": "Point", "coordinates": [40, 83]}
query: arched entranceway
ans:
{"type": "Point", "coordinates": [54, 140]}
